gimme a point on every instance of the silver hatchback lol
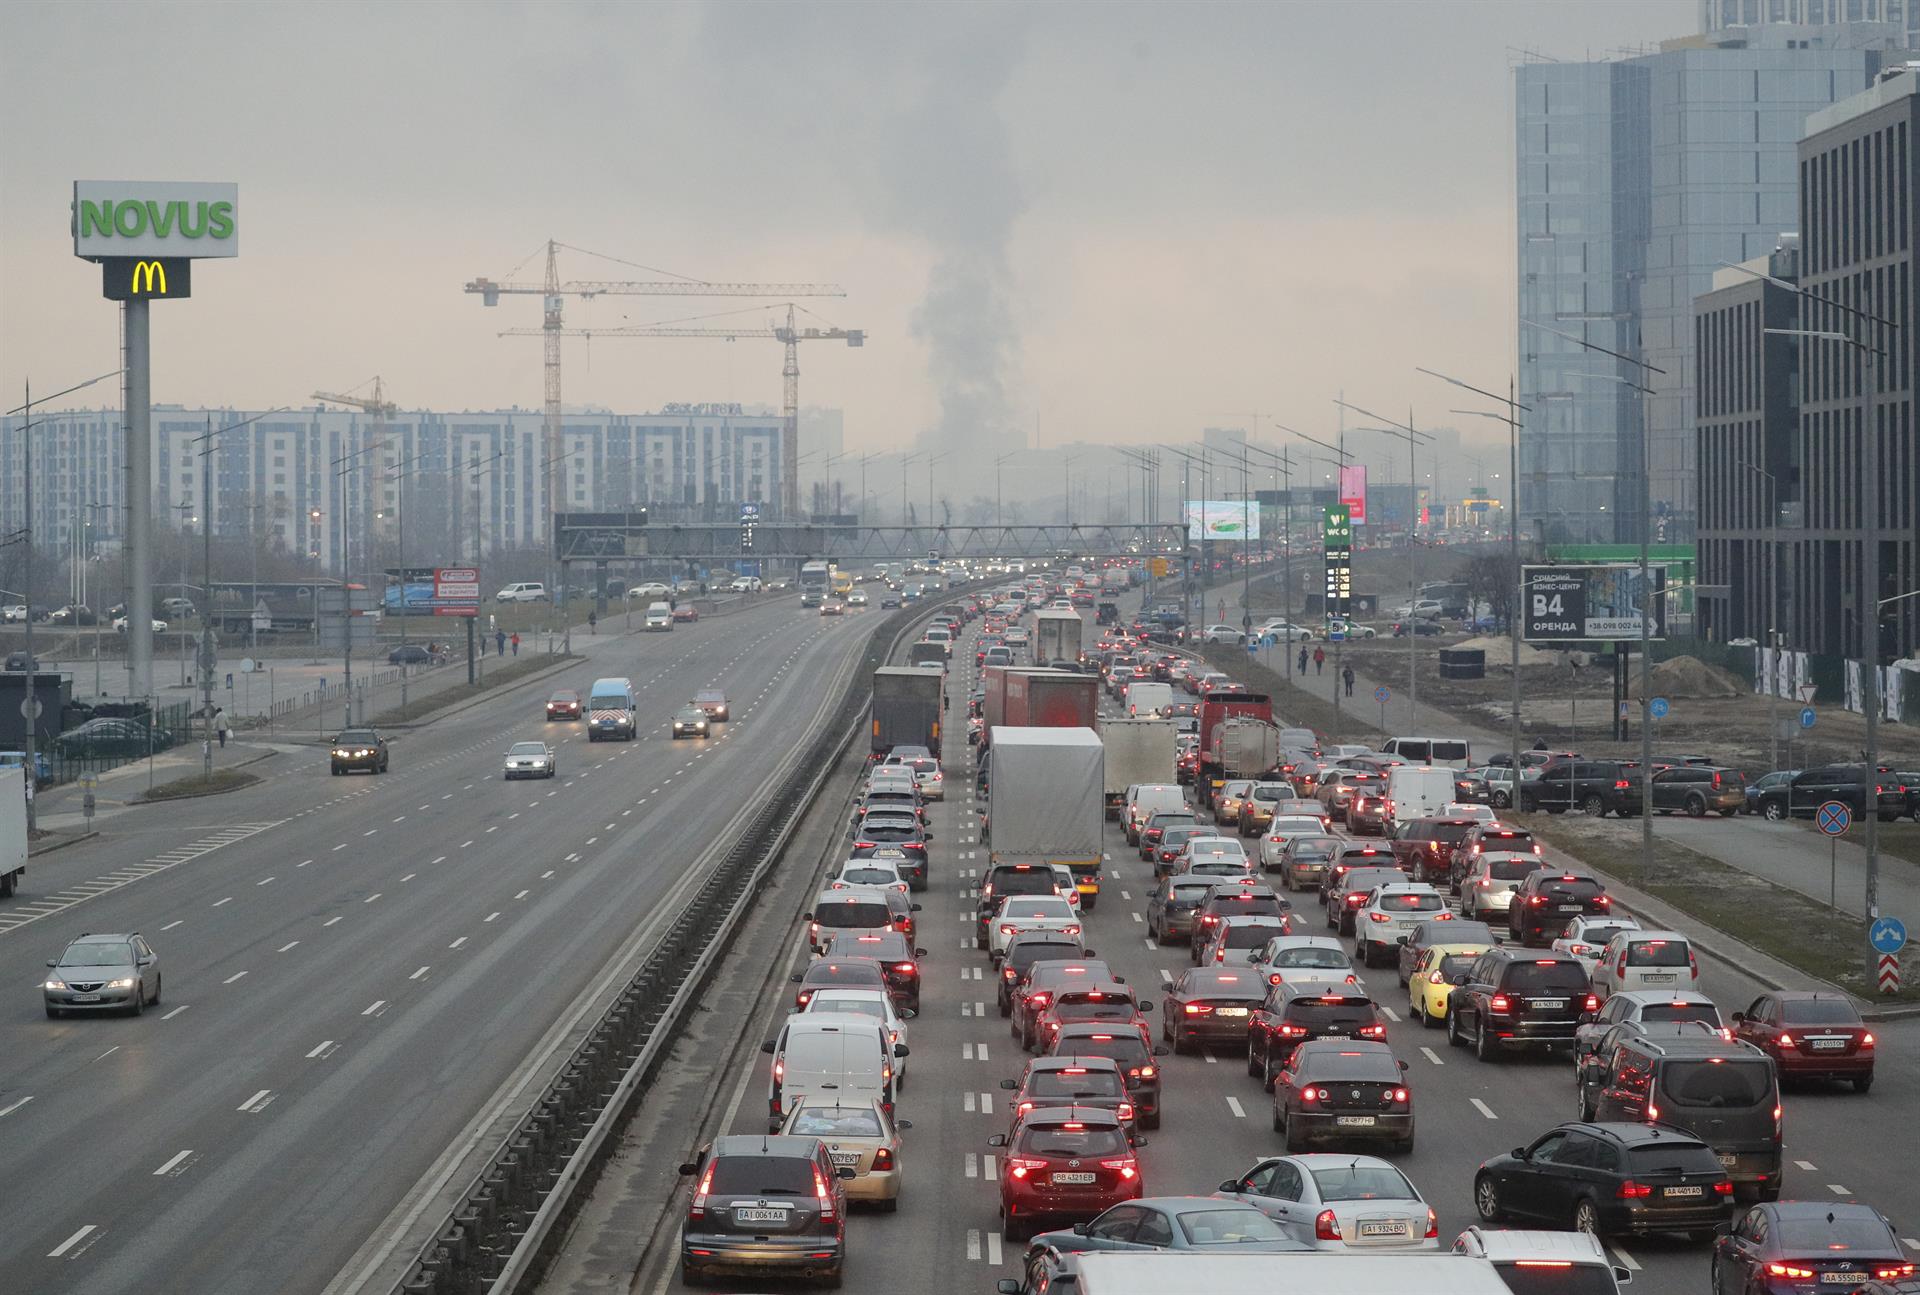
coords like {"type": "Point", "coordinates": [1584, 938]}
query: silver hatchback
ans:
{"type": "Point", "coordinates": [103, 973]}
{"type": "Point", "coordinates": [529, 760]}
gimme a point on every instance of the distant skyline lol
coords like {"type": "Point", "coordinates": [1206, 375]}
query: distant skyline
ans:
{"type": "Point", "coordinates": [1110, 223]}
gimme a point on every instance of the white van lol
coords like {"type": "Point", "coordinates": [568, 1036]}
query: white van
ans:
{"type": "Point", "coordinates": [1146, 700]}
{"type": "Point", "coordinates": [659, 617]}
{"type": "Point", "coordinates": [1655, 960]}
{"type": "Point", "coordinates": [1417, 791]}
{"type": "Point", "coordinates": [846, 908]}
{"type": "Point", "coordinates": [611, 708]}
{"type": "Point", "coordinates": [1450, 752]}
{"type": "Point", "coordinates": [833, 1056]}
{"type": "Point", "coordinates": [527, 591]}
{"type": "Point", "coordinates": [1147, 799]}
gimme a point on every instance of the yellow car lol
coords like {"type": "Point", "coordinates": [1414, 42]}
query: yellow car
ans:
{"type": "Point", "coordinates": [1432, 980]}
{"type": "Point", "coordinates": [860, 1136]}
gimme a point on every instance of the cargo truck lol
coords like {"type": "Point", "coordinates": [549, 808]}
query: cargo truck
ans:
{"type": "Point", "coordinates": [1138, 751]}
{"type": "Point", "coordinates": [13, 828]}
{"type": "Point", "coordinates": [1215, 710]}
{"type": "Point", "coordinates": [1044, 804]}
{"type": "Point", "coordinates": [1249, 747]}
{"type": "Point", "coordinates": [1057, 636]}
{"type": "Point", "coordinates": [906, 709]}
{"type": "Point", "coordinates": [1032, 697]}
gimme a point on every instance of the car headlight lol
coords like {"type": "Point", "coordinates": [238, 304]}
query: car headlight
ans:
{"type": "Point", "coordinates": [124, 982]}
{"type": "Point", "coordinates": [54, 984]}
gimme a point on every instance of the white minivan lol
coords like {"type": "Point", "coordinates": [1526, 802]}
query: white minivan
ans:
{"type": "Point", "coordinates": [1146, 699]}
{"type": "Point", "coordinates": [527, 591]}
{"type": "Point", "coordinates": [832, 1056]}
{"type": "Point", "coordinates": [1446, 752]}
{"type": "Point", "coordinates": [659, 617]}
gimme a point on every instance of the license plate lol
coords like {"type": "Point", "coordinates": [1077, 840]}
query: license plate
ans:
{"type": "Point", "coordinates": [757, 1214]}
{"type": "Point", "coordinates": [1568, 908]}
{"type": "Point", "coordinates": [1728, 1160]}
{"type": "Point", "coordinates": [1355, 1121]}
{"type": "Point", "coordinates": [1828, 1045]}
{"type": "Point", "coordinates": [86, 998]}
{"type": "Point", "coordinates": [1547, 1003]}
{"type": "Point", "coordinates": [1388, 1228]}
{"type": "Point", "coordinates": [851, 1158]}
{"type": "Point", "coordinates": [889, 853]}
{"type": "Point", "coordinates": [1685, 1191]}
{"type": "Point", "coordinates": [1841, 1279]}
{"type": "Point", "coordinates": [1230, 1011]}
{"type": "Point", "coordinates": [1073, 1180]}
{"type": "Point", "coordinates": [1663, 978]}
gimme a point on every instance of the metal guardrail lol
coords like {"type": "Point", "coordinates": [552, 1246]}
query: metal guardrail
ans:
{"type": "Point", "coordinates": [495, 1236]}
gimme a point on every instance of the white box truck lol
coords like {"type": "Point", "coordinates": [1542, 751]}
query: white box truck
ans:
{"type": "Point", "coordinates": [1058, 636]}
{"type": "Point", "coordinates": [1138, 751]}
{"type": "Point", "coordinates": [13, 829]}
{"type": "Point", "coordinates": [1045, 803]}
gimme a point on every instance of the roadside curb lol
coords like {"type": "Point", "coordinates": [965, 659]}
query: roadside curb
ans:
{"type": "Point", "coordinates": [195, 795]}
{"type": "Point", "coordinates": [34, 852]}
{"type": "Point", "coordinates": [455, 708]}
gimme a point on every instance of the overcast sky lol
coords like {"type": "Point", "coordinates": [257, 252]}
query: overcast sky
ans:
{"type": "Point", "coordinates": [1121, 222]}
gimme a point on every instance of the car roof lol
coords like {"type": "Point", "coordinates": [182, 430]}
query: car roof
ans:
{"type": "Point", "coordinates": [1509, 1244]}
{"type": "Point", "coordinates": [1071, 1114]}
{"type": "Point", "coordinates": [1634, 1134]}
{"type": "Point", "coordinates": [773, 1144]}
{"type": "Point", "coordinates": [1069, 1061]}
{"type": "Point", "coordinates": [851, 895]}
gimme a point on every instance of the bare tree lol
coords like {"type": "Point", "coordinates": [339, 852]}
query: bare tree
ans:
{"type": "Point", "coordinates": [1492, 580]}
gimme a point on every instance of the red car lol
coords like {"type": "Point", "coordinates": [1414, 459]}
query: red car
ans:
{"type": "Point", "coordinates": [686, 612]}
{"type": "Point", "coordinates": [564, 704]}
{"type": "Point", "coordinates": [1064, 1164]}
{"type": "Point", "coordinates": [1810, 1035]}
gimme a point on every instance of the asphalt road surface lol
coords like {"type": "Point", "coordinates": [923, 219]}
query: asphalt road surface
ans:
{"type": "Point", "coordinates": [945, 1237]}
{"type": "Point", "coordinates": [354, 967]}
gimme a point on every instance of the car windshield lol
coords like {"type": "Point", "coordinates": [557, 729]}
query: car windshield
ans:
{"type": "Point", "coordinates": [1073, 1139]}
{"type": "Point", "coordinates": [1363, 1183]}
{"type": "Point", "coordinates": [1547, 976]}
{"type": "Point", "coordinates": [1076, 1082]}
{"type": "Point", "coordinates": [1311, 958]}
{"type": "Point", "coordinates": [853, 1004]}
{"type": "Point", "coordinates": [564, 695]}
{"type": "Point", "coordinates": [357, 737]}
{"type": "Point", "coordinates": [527, 748]}
{"type": "Point", "coordinates": [1550, 1278]}
{"type": "Point", "coordinates": [1816, 1235]}
{"type": "Point", "coordinates": [1365, 1064]}
{"type": "Point", "coordinates": [1656, 953]}
{"type": "Point", "coordinates": [762, 1176]}
{"type": "Point", "coordinates": [1250, 935]}
{"type": "Point", "coordinates": [1579, 888]}
{"type": "Point", "coordinates": [1228, 1227]}
{"type": "Point", "coordinates": [1316, 848]}
{"type": "Point", "coordinates": [1819, 1011]}
{"type": "Point", "coordinates": [834, 1123]}
{"type": "Point", "coordinates": [1409, 903]}
{"type": "Point", "coordinates": [97, 953]}
{"type": "Point", "coordinates": [1512, 869]}
{"type": "Point", "coordinates": [1023, 956]}
{"type": "Point", "coordinates": [1028, 909]}
{"type": "Point", "coordinates": [870, 876]}
{"type": "Point", "coordinates": [1332, 1012]}
{"type": "Point", "coordinates": [853, 913]}
{"type": "Point", "coordinates": [1718, 1083]}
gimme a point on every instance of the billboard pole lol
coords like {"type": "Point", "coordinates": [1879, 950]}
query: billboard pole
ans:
{"type": "Point", "coordinates": [139, 415]}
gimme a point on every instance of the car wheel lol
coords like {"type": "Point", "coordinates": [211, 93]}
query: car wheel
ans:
{"type": "Point", "coordinates": [1428, 1021]}
{"type": "Point", "coordinates": [1399, 973]}
{"type": "Point", "coordinates": [334, 770]}
{"type": "Point", "coordinates": [1485, 1048]}
{"type": "Point", "coordinates": [1295, 1143]}
{"type": "Point", "coordinates": [1529, 805]}
{"type": "Point", "coordinates": [1586, 1218]}
{"type": "Point", "coordinates": [1499, 800]}
{"type": "Point", "coordinates": [1454, 1038]}
{"type": "Point", "coordinates": [1863, 1083]}
{"type": "Point", "coordinates": [1486, 1199]}
{"type": "Point", "coordinates": [1696, 807]}
{"type": "Point", "coordinates": [1253, 1064]}
{"type": "Point", "coordinates": [1773, 811]}
{"type": "Point", "coordinates": [1593, 806]}
{"type": "Point", "coordinates": [1728, 813]}
{"type": "Point", "coordinates": [1583, 1104]}
{"type": "Point", "coordinates": [139, 1001]}
{"type": "Point", "coordinates": [1011, 1229]}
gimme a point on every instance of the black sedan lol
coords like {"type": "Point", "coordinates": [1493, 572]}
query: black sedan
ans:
{"type": "Point", "coordinates": [1607, 1179]}
{"type": "Point", "coordinates": [1343, 1091]}
{"type": "Point", "coordinates": [1211, 1005]}
{"type": "Point", "coordinates": [414, 654]}
{"type": "Point", "coordinates": [1418, 628]}
{"type": "Point", "coordinates": [1792, 1246]}
{"type": "Point", "coordinates": [359, 748]}
{"type": "Point", "coordinates": [691, 721]}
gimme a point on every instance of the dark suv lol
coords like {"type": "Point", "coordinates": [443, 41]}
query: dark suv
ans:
{"type": "Point", "coordinates": [1028, 950]}
{"type": "Point", "coordinates": [1694, 790]}
{"type": "Point", "coordinates": [1548, 899]}
{"type": "Point", "coordinates": [1596, 787]}
{"type": "Point", "coordinates": [1296, 1012]}
{"type": "Point", "coordinates": [765, 1204]}
{"type": "Point", "coordinates": [1603, 1179]}
{"type": "Point", "coordinates": [1806, 792]}
{"type": "Point", "coordinates": [1513, 997]}
{"type": "Point", "coordinates": [1130, 1050]}
{"type": "Point", "coordinates": [1425, 846]}
{"type": "Point", "coordinates": [1723, 1091]}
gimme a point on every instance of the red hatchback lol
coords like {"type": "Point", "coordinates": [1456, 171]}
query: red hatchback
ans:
{"type": "Point", "coordinates": [564, 704]}
{"type": "Point", "coordinates": [1810, 1035]}
{"type": "Point", "coordinates": [1064, 1164]}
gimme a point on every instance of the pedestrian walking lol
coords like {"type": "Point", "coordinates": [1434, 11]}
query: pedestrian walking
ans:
{"type": "Point", "coordinates": [221, 727]}
{"type": "Point", "coordinates": [500, 642]}
{"type": "Point", "coordinates": [1319, 660]}
{"type": "Point", "coordinates": [515, 640]}
{"type": "Point", "coordinates": [1346, 677]}
{"type": "Point", "coordinates": [1303, 658]}
{"type": "Point", "coordinates": [593, 622]}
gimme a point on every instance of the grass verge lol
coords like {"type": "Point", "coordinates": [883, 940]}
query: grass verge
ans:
{"type": "Point", "coordinates": [1296, 706]}
{"type": "Point", "coordinates": [497, 676]}
{"type": "Point", "coordinates": [1900, 840]}
{"type": "Point", "coordinates": [1785, 924]}
{"type": "Point", "coordinates": [221, 780]}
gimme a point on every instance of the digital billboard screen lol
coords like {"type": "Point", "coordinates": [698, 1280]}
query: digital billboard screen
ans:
{"type": "Point", "coordinates": [1222, 519]}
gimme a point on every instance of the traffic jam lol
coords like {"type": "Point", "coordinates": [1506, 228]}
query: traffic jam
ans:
{"type": "Point", "coordinates": [1135, 866]}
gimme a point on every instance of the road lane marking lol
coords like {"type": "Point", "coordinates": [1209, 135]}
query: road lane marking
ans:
{"type": "Point", "coordinates": [168, 1017]}
{"type": "Point", "coordinates": [441, 859]}
{"type": "Point", "coordinates": [966, 1052]}
{"type": "Point", "coordinates": [370, 831]}
{"type": "Point", "coordinates": [457, 943]}
{"type": "Point", "coordinates": [339, 847]}
{"type": "Point", "coordinates": [1210, 1059]}
{"type": "Point", "coordinates": [330, 921]}
{"type": "Point", "coordinates": [1802, 1164]}
{"type": "Point", "coordinates": [1390, 1013]}
{"type": "Point", "coordinates": [1166, 977]}
{"type": "Point", "coordinates": [986, 1103]}
{"type": "Point", "coordinates": [1838, 1190]}
{"type": "Point", "coordinates": [325, 1047]}
{"type": "Point", "coordinates": [988, 1168]}
{"type": "Point", "coordinates": [416, 975]}
{"type": "Point", "coordinates": [973, 1164]}
{"type": "Point", "coordinates": [410, 876]}
{"type": "Point", "coordinates": [378, 1003]}
{"type": "Point", "coordinates": [980, 1052]}
{"type": "Point", "coordinates": [175, 922]}
{"type": "Point", "coordinates": [288, 945]}
{"type": "Point", "coordinates": [966, 1101]}
{"type": "Point", "coordinates": [993, 1248]}
{"type": "Point", "coordinates": [1233, 1104]}
{"type": "Point", "coordinates": [465, 844]}
{"type": "Point", "coordinates": [172, 1161]}
{"type": "Point", "coordinates": [494, 828]}
{"type": "Point", "coordinates": [218, 902]}
{"type": "Point", "coordinates": [979, 1009]}
{"type": "Point", "coordinates": [257, 1103]}
{"type": "Point", "coordinates": [1137, 917]}
{"type": "Point", "coordinates": [1483, 1108]}
{"type": "Point", "coordinates": [523, 894]}
{"type": "Point", "coordinates": [546, 874]}
{"type": "Point", "coordinates": [1910, 1242]}
{"type": "Point", "coordinates": [1432, 1056]}
{"type": "Point", "coordinates": [235, 976]}
{"type": "Point", "coordinates": [73, 1241]}
{"type": "Point", "coordinates": [264, 881]}
{"type": "Point", "coordinates": [973, 1244]}
{"type": "Point", "coordinates": [8, 1110]}
{"type": "Point", "coordinates": [490, 916]}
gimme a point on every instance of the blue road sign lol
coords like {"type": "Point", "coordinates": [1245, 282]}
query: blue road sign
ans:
{"type": "Point", "coordinates": [1806, 717]}
{"type": "Point", "coordinates": [1833, 818]}
{"type": "Point", "coordinates": [1887, 935]}
{"type": "Point", "coordinates": [1381, 694]}
{"type": "Point", "coordinates": [1659, 708]}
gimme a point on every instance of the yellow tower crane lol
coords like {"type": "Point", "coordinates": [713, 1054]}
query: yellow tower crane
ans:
{"type": "Point", "coordinates": [788, 335]}
{"type": "Point", "coordinates": [553, 290]}
{"type": "Point", "coordinates": [374, 503]}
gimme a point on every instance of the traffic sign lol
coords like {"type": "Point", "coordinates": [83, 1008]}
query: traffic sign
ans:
{"type": "Point", "coordinates": [1808, 690]}
{"type": "Point", "coordinates": [1887, 935]}
{"type": "Point", "coordinates": [1833, 818]}
{"type": "Point", "coordinates": [1806, 717]}
{"type": "Point", "coordinates": [248, 665]}
{"type": "Point", "coordinates": [1381, 694]}
{"type": "Point", "coordinates": [30, 707]}
{"type": "Point", "coordinates": [1659, 708]}
{"type": "Point", "coordinates": [1889, 974]}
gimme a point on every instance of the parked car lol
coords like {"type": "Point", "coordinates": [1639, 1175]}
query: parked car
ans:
{"type": "Point", "coordinates": [1693, 790]}
{"type": "Point", "coordinates": [1595, 787]}
{"type": "Point", "coordinates": [1806, 792]}
{"type": "Point", "coordinates": [111, 738]}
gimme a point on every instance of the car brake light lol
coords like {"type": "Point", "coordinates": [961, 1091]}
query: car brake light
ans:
{"type": "Point", "coordinates": [883, 1158]}
{"type": "Point", "coordinates": [1723, 1188]}
{"type": "Point", "coordinates": [1009, 930]}
{"type": "Point", "coordinates": [1126, 1110]}
{"type": "Point", "coordinates": [1378, 917]}
{"type": "Point", "coordinates": [1198, 1009]}
{"type": "Point", "coordinates": [1653, 1112]}
{"type": "Point", "coordinates": [863, 845]}
{"type": "Point", "coordinates": [1593, 1005]}
{"type": "Point", "coordinates": [1631, 1190]}
{"type": "Point", "coordinates": [1433, 1223]}
{"type": "Point", "coordinates": [1436, 978]}
{"type": "Point", "coordinates": [1893, 1271]}
{"type": "Point", "coordinates": [1866, 1040]}
{"type": "Point", "coordinates": [1788, 1270]}
{"type": "Point", "coordinates": [1500, 1003]}
{"type": "Point", "coordinates": [1786, 1040]}
{"type": "Point", "coordinates": [1537, 900]}
{"type": "Point", "coordinates": [1326, 1227]}
{"type": "Point", "coordinates": [1145, 1072]}
{"type": "Point", "coordinates": [1399, 1094]}
{"type": "Point", "coordinates": [698, 1209]}
{"type": "Point", "coordinates": [905, 968]}
{"type": "Point", "coordinates": [1373, 1031]}
{"type": "Point", "coordinates": [1129, 1168]}
{"type": "Point", "coordinates": [1020, 1166]}
{"type": "Point", "coordinates": [1039, 999]}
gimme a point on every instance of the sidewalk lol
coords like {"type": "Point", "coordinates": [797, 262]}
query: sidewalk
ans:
{"type": "Point", "coordinates": [1397, 716]}
{"type": "Point", "coordinates": [59, 808]}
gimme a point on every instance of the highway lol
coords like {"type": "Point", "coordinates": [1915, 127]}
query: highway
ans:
{"type": "Point", "coordinates": [355, 969]}
{"type": "Point", "coordinates": [946, 1237]}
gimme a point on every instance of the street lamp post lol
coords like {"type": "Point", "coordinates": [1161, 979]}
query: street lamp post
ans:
{"type": "Point", "coordinates": [997, 465]}
{"type": "Point", "coordinates": [932, 459]}
{"type": "Point", "coordinates": [1407, 433]}
{"type": "Point", "coordinates": [1773, 603]}
{"type": "Point", "coordinates": [1189, 462]}
{"type": "Point", "coordinates": [905, 461]}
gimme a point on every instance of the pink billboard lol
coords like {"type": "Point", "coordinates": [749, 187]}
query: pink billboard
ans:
{"type": "Point", "coordinates": [1353, 491]}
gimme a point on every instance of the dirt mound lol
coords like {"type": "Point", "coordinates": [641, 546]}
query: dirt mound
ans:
{"type": "Point", "coordinates": [1500, 651]}
{"type": "Point", "coordinates": [1686, 676]}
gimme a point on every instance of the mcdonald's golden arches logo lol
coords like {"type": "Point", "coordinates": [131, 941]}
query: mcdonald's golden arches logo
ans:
{"type": "Point", "coordinates": [148, 275]}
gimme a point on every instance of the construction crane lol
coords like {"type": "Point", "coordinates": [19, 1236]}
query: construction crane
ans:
{"type": "Point", "coordinates": [553, 290]}
{"type": "Point", "coordinates": [787, 335]}
{"type": "Point", "coordinates": [380, 408]}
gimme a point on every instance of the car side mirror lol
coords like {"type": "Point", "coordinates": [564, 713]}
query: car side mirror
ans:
{"type": "Point", "coordinates": [54, 962]}
{"type": "Point", "coordinates": [1080, 1229]}
{"type": "Point", "coordinates": [806, 917]}
{"type": "Point", "coordinates": [1403, 1067]}
{"type": "Point", "coordinates": [1458, 979]}
{"type": "Point", "coordinates": [1144, 1005]}
{"type": "Point", "coordinates": [1231, 1185]}
{"type": "Point", "coordinates": [147, 961]}
{"type": "Point", "coordinates": [767, 1047]}
{"type": "Point", "coordinates": [795, 977]}
{"type": "Point", "coordinates": [1007, 1286]}
{"type": "Point", "coordinates": [1139, 1142]}
{"type": "Point", "coordinates": [1084, 950]}
{"type": "Point", "coordinates": [903, 1124]}
{"type": "Point", "coordinates": [907, 1013]}
{"type": "Point", "coordinates": [900, 1050]}
{"type": "Point", "coordinates": [690, 1167]}
{"type": "Point", "coordinates": [997, 1140]}
{"type": "Point", "coordinates": [1162, 1050]}
{"type": "Point", "coordinates": [1622, 1277]}
{"type": "Point", "coordinates": [1739, 1018]}
{"type": "Point", "coordinates": [1010, 1085]}
{"type": "Point", "coordinates": [1519, 1153]}
{"type": "Point", "coordinates": [913, 908]}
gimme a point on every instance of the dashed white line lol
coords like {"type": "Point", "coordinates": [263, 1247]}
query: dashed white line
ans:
{"type": "Point", "coordinates": [457, 943]}
{"type": "Point", "coordinates": [175, 922]}
{"type": "Point", "coordinates": [1391, 1016]}
{"type": "Point", "coordinates": [257, 1102]}
{"type": "Point", "coordinates": [1483, 1108]}
{"type": "Point", "coordinates": [1233, 1104]}
{"type": "Point", "coordinates": [378, 1003]}
{"type": "Point", "coordinates": [441, 859]}
{"type": "Point", "coordinates": [973, 1243]}
{"type": "Point", "coordinates": [288, 945]}
{"type": "Point", "coordinates": [321, 1050]}
{"type": "Point", "coordinates": [73, 1241]}
{"type": "Point", "coordinates": [993, 1248]}
{"type": "Point", "coordinates": [546, 874]}
{"type": "Point", "coordinates": [416, 975]}
{"type": "Point", "coordinates": [218, 902]}
{"type": "Point", "coordinates": [235, 976]}
{"type": "Point", "coordinates": [1838, 1190]}
{"type": "Point", "coordinates": [330, 921]}
{"type": "Point", "coordinates": [490, 916]}
{"type": "Point", "coordinates": [370, 898]}
{"type": "Point", "coordinates": [170, 1015]}
{"type": "Point", "coordinates": [973, 1164]}
{"type": "Point", "coordinates": [1432, 1056]}
{"type": "Point", "coordinates": [523, 894]}
{"type": "Point", "coordinates": [1802, 1164]}
{"type": "Point", "coordinates": [8, 1110]}
{"type": "Point", "coordinates": [339, 847]}
{"type": "Point", "coordinates": [264, 881]}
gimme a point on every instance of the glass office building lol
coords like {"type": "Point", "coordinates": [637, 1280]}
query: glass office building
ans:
{"type": "Point", "coordinates": [1636, 179]}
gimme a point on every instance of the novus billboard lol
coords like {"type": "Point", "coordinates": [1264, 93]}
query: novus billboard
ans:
{"type": "Point", "coordinates": [154, 219]}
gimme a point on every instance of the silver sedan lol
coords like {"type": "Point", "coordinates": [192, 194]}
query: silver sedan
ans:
{"type": "Point", "coordinates": [529, 760]}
